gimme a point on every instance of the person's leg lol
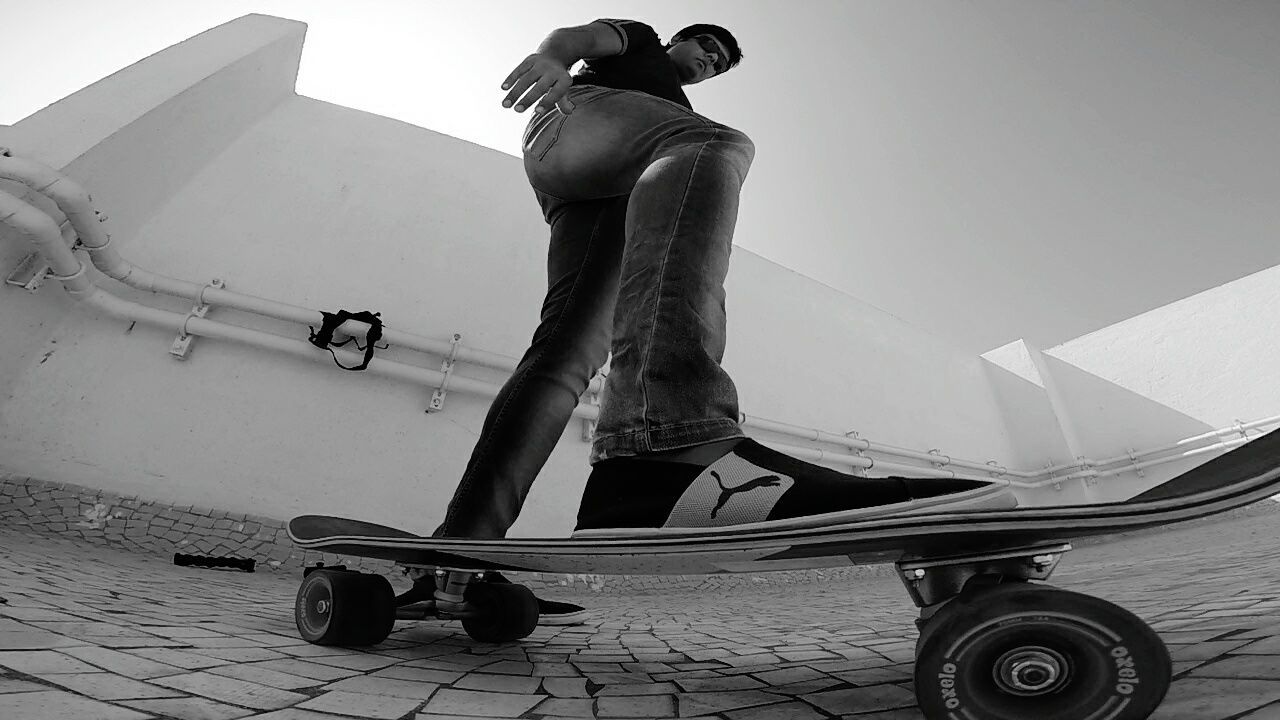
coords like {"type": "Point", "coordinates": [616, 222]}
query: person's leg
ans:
{"type": "Point", "coordinates": [529, 415]}
{"type": "Point", "coordinates": [666, 390]}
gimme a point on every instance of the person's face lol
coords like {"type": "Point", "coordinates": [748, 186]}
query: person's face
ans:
{"type": "Point", "coordinates": [699, 58]}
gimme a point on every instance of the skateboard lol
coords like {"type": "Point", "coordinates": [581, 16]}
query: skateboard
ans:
{"type": "Point", "coordinates": [996, 642]}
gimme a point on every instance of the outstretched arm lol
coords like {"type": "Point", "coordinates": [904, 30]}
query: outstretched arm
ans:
{"type": "Point", "coordinates": [545, 74]}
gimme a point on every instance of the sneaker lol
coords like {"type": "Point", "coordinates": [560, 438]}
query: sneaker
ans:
{"type": "Point", "coordinates": [553, 612]}
{"type": "Point", "coordinates": [550, 612]}
{"type": "Point", "coordinates": [753, 488]}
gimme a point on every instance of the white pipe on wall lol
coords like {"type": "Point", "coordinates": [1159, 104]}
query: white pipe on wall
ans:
{"type": "Point", "coordinates": [76, 204]}
{"type": "Point", "coordinates": [861, 444]}
{"type": "Point", "coordinates": [40, 230]}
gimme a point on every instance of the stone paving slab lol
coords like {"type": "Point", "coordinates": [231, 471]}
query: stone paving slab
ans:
{"type": "Point", "coordinates": [92, 631]}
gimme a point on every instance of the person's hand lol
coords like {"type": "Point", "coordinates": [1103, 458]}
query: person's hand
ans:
{"type": "Point", "coordinates": [542, 77]}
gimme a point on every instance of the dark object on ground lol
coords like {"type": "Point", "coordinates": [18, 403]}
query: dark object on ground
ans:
{"type": "Point", "coordinates": [245, 564]}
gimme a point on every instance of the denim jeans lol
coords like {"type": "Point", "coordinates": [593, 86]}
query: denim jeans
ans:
{"type": "Point", "coordinates": [641, 195]}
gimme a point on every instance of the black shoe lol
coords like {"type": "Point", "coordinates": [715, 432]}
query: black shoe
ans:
{"type": "Point", "coordinates": [550, 612]}
{"type": "Point", "coordinates": [755, 488]}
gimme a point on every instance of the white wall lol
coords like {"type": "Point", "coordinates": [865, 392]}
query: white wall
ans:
{"type": "Point", "coordinates": [329, 207]}
{"type": "Point", "coordinates": [1214, 356]}
{"type": "Point", "coordinates": [1087, 419]}
{"type": "Point", "coordinates": [136, 137]}
{"type": "Point", "coordinates": [1202, 363]}
{"type": "Point", "coordinates": [318, 205]}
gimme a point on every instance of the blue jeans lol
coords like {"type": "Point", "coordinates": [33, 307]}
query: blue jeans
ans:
{"type": "Point", "coordinates": [641, 195]}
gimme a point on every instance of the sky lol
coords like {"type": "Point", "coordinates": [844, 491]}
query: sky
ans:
{"type": "Point", "coordinates": [985, 170]}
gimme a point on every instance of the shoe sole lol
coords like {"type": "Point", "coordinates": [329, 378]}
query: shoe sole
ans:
{"type": "Point", "coordinates": [577, 617]}
{"type": "Point", "coordinates": [996, 497]}
{"type": "Point", "coordinates": [573, 618]}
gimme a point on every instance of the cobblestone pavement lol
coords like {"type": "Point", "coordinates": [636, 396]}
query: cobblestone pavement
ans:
{"type": "Point", "coordinates": [93, 632]}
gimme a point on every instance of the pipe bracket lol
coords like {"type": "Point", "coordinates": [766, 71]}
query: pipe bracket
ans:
{"type": "Point", "coordinates": [437, 398]}
{"type": "Point", "coordinates": [939, 463]}
{"type": "Point", "coordinates": [1057, 482]}
{"type": "Point", "coordinates": [1086, 470]}
{"type": "Point", "coordinates": [182, 344]}
{"type": "Point", "coordinates": [1133, 458]}
{"type": "Point", "coordinates": [1239, 427]}
{"type": "Point", "coordinates": [107, 242]}
{"type": "Point", "coordinates": [30, 273]}
{"type": "Point", "coordinates": [73, 276]}
{"type": "Point", "coordinates": [216, 284]}
{"type": "Point", "coordinates": [860, 453]}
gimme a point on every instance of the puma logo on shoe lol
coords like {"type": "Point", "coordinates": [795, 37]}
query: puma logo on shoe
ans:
{"type": "Point", "coordinates": [728, 492]}
{"type": "Point", "coordinates": [705, 503]}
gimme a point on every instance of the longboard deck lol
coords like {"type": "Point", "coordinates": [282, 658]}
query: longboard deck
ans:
{"type": "Point", "coordinates": [1242, 476]}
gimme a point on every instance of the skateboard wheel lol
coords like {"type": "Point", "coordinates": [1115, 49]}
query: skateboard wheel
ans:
{"type": "Point", "coordinates": [1018, 651]}
{"type": "Point", "coordinates": [336, 607]}
{"type": "Point", "coordinates": [502, 612]}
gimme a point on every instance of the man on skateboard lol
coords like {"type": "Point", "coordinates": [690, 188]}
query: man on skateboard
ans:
{"type": "Point", "coordinates": [641, 195]}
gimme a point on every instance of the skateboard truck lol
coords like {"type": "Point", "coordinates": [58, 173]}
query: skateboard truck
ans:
{"type": "Point", "coordinates": [933, 581]}
{"type": "Point", "coordinates": [490, 612]}
{"type": "Point", "coordinates": [450, 587]}
{"type": "Point", "coordinates": [447, 595]}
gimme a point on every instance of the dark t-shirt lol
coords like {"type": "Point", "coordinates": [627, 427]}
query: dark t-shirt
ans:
{"type": "Point", "coordinates": [643, 65]}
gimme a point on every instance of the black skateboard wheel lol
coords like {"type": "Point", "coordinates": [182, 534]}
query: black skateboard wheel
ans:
{"type": "Point", "coordinates": [1019, 651]}
{"type": "Point", "coordinates": [336, 607]}
{"type": "Point", "coordinates": [502, 612]}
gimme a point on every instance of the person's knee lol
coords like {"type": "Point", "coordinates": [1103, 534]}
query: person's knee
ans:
{"type": "Point", "coordinates": [741, 143]}
{"type": "Point", "coordinates": [572, 362]}
{"type": "Point", "coordinates": [749, 148]}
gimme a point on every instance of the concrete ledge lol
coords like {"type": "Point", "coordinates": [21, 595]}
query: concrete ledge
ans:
{"type": "Point", "coordinates": [71, 127]}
